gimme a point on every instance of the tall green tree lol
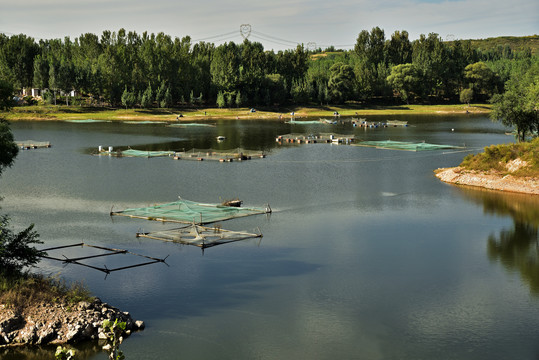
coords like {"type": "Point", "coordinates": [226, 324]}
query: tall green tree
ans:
{"type": "Point", "coordinates": [6, 95]}
{"type": "Point", "coordinates": [128, 98]}
{"type": "Point", "coordinates": [399, 48]}
{"type": "Point", "coordinates": [404, 79]}
{"type": "Point", "coordinates": [341, 84]}
{"type": "Point", "coordinates": [147, 97]}
{"type": "Point", "coordinates": [8, 148]}
{"type": "Point", "coordinates": [431, 57]}
{"type": "Point", "coordinates": [225, 67]}
{"type": "Point", "coordinates": [220, 99]}
{"type": "Point", "coordinates": [370, 46]}
{"type": "Point", "coordinates": [515, 107]}
{"type": "Point", "coordinates": [17, 55]}
{"type": "Point", "coordinates": [482, 80]}
{"type": "Point", "coordinates": [466, 96]}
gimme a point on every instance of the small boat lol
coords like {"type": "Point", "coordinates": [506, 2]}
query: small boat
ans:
{"type": "Point", "coordinates": [221, 138]}
{"type": "Point", "coordinates": [234, 203]}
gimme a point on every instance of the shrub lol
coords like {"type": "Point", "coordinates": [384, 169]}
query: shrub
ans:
{"type": "Point", "coordinates": [15, 250]}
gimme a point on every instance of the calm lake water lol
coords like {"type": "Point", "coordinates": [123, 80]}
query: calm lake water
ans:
{"type": "Point", "coordinates": [366, 256]}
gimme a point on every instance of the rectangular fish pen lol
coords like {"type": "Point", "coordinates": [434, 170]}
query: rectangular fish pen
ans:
{"type": "Point", "coordinates": [405, 146]}
{"type": "Point", "coordinates": [200, 236]}
{"type": "Point", "coordinates": [32, 144]}
{"type": "Point", "coordinates": [218, 155]}
{"type": "Point", "coordinates": [189, 212]}
{"type": "Point", "coordinates": [314, 139]}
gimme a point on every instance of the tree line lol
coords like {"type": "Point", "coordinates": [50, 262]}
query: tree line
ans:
{"type": "Point", "coordinates": [127, 69]}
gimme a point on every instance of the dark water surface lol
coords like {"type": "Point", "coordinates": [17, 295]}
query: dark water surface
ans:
{"type": "Point", "coordinates": [366, 255]}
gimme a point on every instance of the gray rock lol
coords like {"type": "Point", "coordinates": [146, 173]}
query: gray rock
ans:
{"type": "Point", "coordinates": [139, 325]}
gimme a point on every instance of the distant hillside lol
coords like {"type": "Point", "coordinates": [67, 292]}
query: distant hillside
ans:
{"type": "Point", "coordinates": [516, 43]}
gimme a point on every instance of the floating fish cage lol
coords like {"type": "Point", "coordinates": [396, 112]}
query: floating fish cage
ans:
{"type": "Point", "coordinates": [190, 212]}
{"type": "Point", "coordinates": [314, 139]}
{"type": "Point", "coordinates": [406, 146]}
{"type": "Point", "coordinates": [200, 236]}
{"type": "Point", "coordinates": [193, 154]}
{"type": "Point", "coordinates": [32, 144]}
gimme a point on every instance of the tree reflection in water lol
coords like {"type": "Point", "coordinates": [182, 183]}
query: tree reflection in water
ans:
{"type": "Point", "coordinates": [517, 248]}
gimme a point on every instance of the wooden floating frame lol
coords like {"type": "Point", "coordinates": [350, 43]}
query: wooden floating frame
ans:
{"type": "Point", "coordinates": [111, 251]}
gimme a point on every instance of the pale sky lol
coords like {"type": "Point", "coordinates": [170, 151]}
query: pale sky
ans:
{"type": "Point", "coordinates": [277, 24]}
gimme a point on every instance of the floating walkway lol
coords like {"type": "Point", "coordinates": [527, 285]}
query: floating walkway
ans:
{"type": "Point", "coordinates": [214, 155]}
{"type": "Point", "coordinates": [190, 212]}
{"type": "Point", "coordinates": [373, 125]}
{"type": "Point", "coordinates": [201, 236]}
{"type": "Point", "coordinates": [314, 139]}
{"type": "Point", "coordinates": [31, 144]}
{"type": "Point", "coordinates": [193, 154]}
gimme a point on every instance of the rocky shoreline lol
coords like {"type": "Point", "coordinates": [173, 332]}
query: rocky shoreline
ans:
{"type": "Point", "coordinates": [60, 323]}
{"type": "Point", "coordinates": [508, 183]}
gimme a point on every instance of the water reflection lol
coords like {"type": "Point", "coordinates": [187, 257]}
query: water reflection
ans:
{"type": "Point", "coordinates": [517, 248]}
{"type": "Point", "coordinates": [83, 351]}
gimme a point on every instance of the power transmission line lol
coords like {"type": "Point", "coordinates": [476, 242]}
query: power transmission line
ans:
{"type": "Point", "coordinates": [216, 36]}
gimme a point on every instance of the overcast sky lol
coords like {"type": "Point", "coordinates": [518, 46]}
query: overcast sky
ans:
{"type": "Point", "coordinates": [277, 24]}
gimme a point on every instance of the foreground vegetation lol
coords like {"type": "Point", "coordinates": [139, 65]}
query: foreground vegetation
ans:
{"type": "Point", "coordinates": [21, 290]}
{"type": "Point", "coordinates": [496, 157]}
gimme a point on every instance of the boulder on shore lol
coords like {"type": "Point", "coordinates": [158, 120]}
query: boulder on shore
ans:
{"type": "Point", "coordinates": [60, 323]}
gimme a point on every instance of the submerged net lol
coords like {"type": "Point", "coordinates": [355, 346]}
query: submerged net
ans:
{"type": "Point", "coordinates": [407, 146]}
{"type": "Point", "coordinates": [144, 153]}
{"type": "Point", "coordinates": [144, 122]}
{"type": "Point", "coordinates": [200, 236]}
{"type": "Point", "coordinates": [185, 211]}
{"type": "Point", "coordinates": [191, 125]}
{"type": "Point", "coordinates": [86, 121]}
{"type": "Point", "coordinates": [310, 122]}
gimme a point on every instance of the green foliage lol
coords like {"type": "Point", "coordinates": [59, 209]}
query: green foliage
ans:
{"type": "Point", "coordinates": [113, 331]}
{"type": "Point", "coordinates": [518, 106]}
{"type": "Point", "coordinates": [102, 67]}
{"type": "Point", "coordinates": [18, 290]}
{"type": "Point", "coordinates": [466, 96]}
{"type": "Point", "coordinates": [8, 148]}
{"type": "Point", "coordinates": [482, 79]}
{"type": "Point", "coordinates": [128, 98]}
{"type": "Point", "coordinates": [15, 250]}
{"type": "Point", "coordinates": [221, 100]}
{"type": "Point", "coordinates": [403, 79]}
{"type": "Point", "coordinates": [167, 100]}
{"type": "Point", "coordinates": [6, 95]}
{"type": "Point", "coordinates": [341, 84]}
{"type": "Point", "coordinates": [495, 157]}
{"type": "Point", "coordinates": [63, 353]}
{"type": "Point", "coordinates": [147, 98]}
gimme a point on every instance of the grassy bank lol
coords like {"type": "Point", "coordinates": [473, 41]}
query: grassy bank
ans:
{"type": "Point", "coordinates": [503, 159]}
{"type": "Point", "coordinates": [26, 290]}
{"type": "Point", "coordinates": [62, 112]}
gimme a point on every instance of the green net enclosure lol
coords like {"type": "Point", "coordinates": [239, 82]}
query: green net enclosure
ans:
{"type": "Point", "coordinates": [407, 146]}
{"type": "Point", "coordinates": [200, 236]}
{"type": "Point", "coordinates": [185, 211]}
{"type": "Point", "coordinates": [145, 153]}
